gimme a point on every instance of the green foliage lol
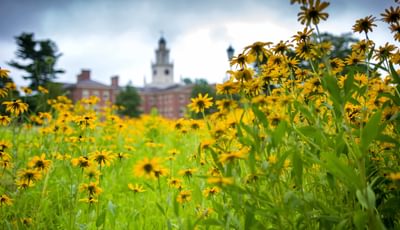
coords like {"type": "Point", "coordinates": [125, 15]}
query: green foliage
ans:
{"type": "Point", "coordinates": [40, 56]}
{"type": "Point", "coordinates": [129, 99]}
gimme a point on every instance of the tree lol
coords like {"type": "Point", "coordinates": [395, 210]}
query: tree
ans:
{"type": "Point", "coordinates": [129, 99]}
{"type": "Point", "coordinates": [39, 59]}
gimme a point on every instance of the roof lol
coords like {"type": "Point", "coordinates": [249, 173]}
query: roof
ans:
{"type": "Point", "coordinates": [87, 84]}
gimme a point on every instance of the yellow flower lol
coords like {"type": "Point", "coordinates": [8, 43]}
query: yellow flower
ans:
{"type": "Point", "coordinates": [184, 196]}
{"type": "Point", "coordinates": [89, 200]}
{"type": "Point", "coordinates": [303, 36]}
{"type": "Point", "coordinates": [103, 157]}
{"type": "Point", "coordinates": [146, 167]}
{"type": "Point", "coordinates": [26, 90]}
{"type": "Point", "coordinates": [92, 173]}
{"type": "Point", "coordinates": [230, 156]}
{"type": "Point", "coordinates": [43, 90]}
{"type": "Point", "coordinates": [257, 51]}
{"type": "Point", "coordinates": [228, 87]}
{"type": "Point", "coordinates": [187, 172]}
{"type": "Point", "coordinates": [211, 191]}
{"type": "Point", "coordinates": [4, 73]}
{"type": "Point", "coordinates": [220, 180]}
{"type": "Point", "coordinates": [272, 159]}
{"type": "Point", "coordinates": [364, 24]}
{"type": "Point", "coordinates": [3, 92]}
{"type": "Point", "coordinates": [394, 176]}
{"type": "Point", "coordinates": [4, 120]}
{"type": "Point", "coordinates": [39, 163]}
{"type": "Point", "coordinates": [175, 182]}
{"type": "Point", "coordinates": [200, 103]}
{"type": "Point", "coordinates": [5, 200]}
{"type": "Point", "coordinates": [29, 175]}
{"type": "Point", "coordinates": [313, 12]}
{"type": "Point", "coordinates": [391, 15]}
{"type": "Point", "coordinates": [82, 162]}
{"type": "Point", "coordinates": [16, 107]}
{"type": "Point", "coordinates": [92, 188]}
{"type": "Point", "coordinates": [136, 188]}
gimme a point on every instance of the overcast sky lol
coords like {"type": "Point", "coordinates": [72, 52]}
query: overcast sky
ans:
{"type": "Point", "coordinates": [119, 37]}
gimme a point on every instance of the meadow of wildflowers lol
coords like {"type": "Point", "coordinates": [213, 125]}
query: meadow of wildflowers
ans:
{"type": "Point", "coordinates": [301, 140]}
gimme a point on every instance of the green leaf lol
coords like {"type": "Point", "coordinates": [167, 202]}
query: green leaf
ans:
{"type": "Point", "coordinates": [101, 219]}
{"type": "Point", "coordinates": [160, 208]}
{"type": "Point", "coordinates": [341, 171]}
{"type": "Point", "coordinates": [297, 169]}
{"type": "Point", "coordinates": [360, 219]}
{"type": "Point", "coordinates": [279, 133]}
{"type": "Point", "coordinates": [370, 131]}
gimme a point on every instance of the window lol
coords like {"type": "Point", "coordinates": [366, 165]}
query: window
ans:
{"type": "Point", "coordinates": [96, 93]}
{"type": "Point", "coordinates": [85, 93]}
{"type": "Point", "coordinates": [154, 72]}
{"type": "Point", "coordinates": [166, 72]}
{"type": "Point", "coordinates": [106, 96]}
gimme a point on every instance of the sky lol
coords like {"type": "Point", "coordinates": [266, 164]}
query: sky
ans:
{"type": "Point", "coordinates": [119, 37]}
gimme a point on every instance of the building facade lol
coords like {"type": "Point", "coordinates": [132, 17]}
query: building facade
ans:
{"type": "Point", "coordinates": [86, 87]}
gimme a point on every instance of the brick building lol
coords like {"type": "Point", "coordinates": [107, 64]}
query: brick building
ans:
{"type": "Point", "coordinates": [169, 98]}
{"type": "Point", "coordinates": [86, 87]}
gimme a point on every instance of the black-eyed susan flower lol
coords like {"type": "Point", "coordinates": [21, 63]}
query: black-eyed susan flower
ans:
{"type": "Point", "coordinates": [4, 120]}
{"type": "Point", "coordinates": [220, 180]}
{"type": "Point", "coordinates": [136, 188]}
{"type": "Point", "coordinates": [89, 200]}
{"type": "Point", "coordinates": [200, 103]}
{"type": "Point", "coordinates": [3, 92]}
{"type": "Point", "coordinates": [228, 157]}
{"type": "Point", "coordinates": [92, 173]}
{"type": "Point", "coordinates": [4, 73]}
{"type": "Point", "coordinates": [146, 167]}
{"type": "Point", "coordinates": [391, 15]}
{"type": "Point", "coordinates": [82, 162]}
{"type": "Point", "coordinates": [29, 175]}
{"type": "Point", "coordinates": [16, 107]}
{"type": "Point", "coordinates": [175, 182]}
{"type": "Point", "coordinates": [43, 90]}
{"type": "Point", "coordinates": [257, 51]}
{"type": "Point", "coordinates": [92, 188]}
{"type": "Point", "coordinates": [102, 157]}
{"type": "Point", "coordinates": [303, 36]}
{"type": "Point", "coordinates": [187, 172]}
{"type": "Point", "coordinates": [39, 163]}
{"type": "Point", "coordinates": [384, 52]}
{"type": "Point", "coordinates": [5, 200]}
{"type": "Point", "coordinates": [312, 12]}
{"type": "Point", "coordinates": [228, 88]}
{"type": "Point", "coordinates": [226, 104]}
{"type": "Point", "coordinates": [184, 196]}
{"type": "Point", "coordinates": [364, 24]}
{"type": "Point", "coordinates": [211, 191]}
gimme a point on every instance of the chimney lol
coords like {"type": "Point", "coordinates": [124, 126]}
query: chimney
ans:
{"type": "Point", "coordinates": [84, 75]}
{"type": "Point", "coordinates": [114, 82]}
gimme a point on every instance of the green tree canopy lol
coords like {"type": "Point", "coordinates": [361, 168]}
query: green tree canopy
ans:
{"type": "Point", "coordinates": [39, 58]}
{"type": "Point", "coordinates": [129, 98]}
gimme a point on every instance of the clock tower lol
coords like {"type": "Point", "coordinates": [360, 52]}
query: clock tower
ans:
{"type": "Point", "coordinates": [162, 69]}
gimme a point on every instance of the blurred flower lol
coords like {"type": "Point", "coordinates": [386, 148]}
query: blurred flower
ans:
{"type": "Point", "coordinates": [39, 163]}
{"type": "Point", "coordinates": [391, 15]}
{"type": "Point", "coordinates": [364, 24]}
{"type": "Point", "coordinates": [312, 13]}
{"type": "Point", "coordinates": [136, 188]}
{"type": "Point", "coordinates": [16, 107]}
{"type": "Point", "coordinates": [5, 200]}
{"type": "Point", "coordinates": [184, 196]}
